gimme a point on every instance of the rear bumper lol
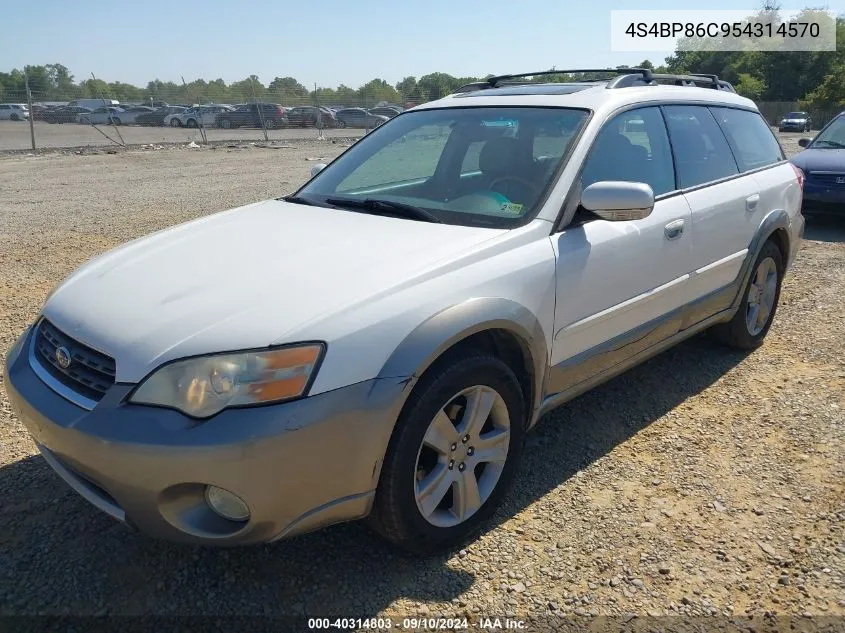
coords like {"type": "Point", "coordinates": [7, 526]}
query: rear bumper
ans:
{"type": "Point", "coordinates": [299, 465]}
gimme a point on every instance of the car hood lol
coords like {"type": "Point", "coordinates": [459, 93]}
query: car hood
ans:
{"type": "Point", "coordinates": [820, 160]}
{"type": "Point", "coordinates": [244, 278]}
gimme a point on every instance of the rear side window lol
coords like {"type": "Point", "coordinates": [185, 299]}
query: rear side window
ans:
{"type": "Point", "coordinates": [750, 138]}
{"type": "Point", "coordinates": [702, 153]}
{"type": "Point", "coordinates": [634, 147]}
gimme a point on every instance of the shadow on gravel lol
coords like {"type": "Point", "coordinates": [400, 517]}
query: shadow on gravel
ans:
{"type": "Point", "coordinates": [825, 228]}
{"type": "Point", "coordinates": [61, 556]}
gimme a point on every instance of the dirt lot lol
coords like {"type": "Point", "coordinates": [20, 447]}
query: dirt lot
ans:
{"type": "Point", "coordinates": [14, 135]}
{"type": "Point", "coordinates": [703, 482]}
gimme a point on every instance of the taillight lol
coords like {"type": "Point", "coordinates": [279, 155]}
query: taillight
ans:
{"type": "Point", "coordinates": [799, 175]}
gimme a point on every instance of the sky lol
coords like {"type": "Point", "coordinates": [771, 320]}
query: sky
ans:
{"type": "Point", "coordinates": [327, 42]}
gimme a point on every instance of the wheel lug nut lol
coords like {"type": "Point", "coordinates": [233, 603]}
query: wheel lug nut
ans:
{"type": "Point", "coordinates": [461, 467]}
{"type": "Point", "coordinates": [451, 464]}
{"type": "Point", "coordinates": [470, 451]}
{"type": "Point", "coordinates": [466, 439]}
{"type": "Point", "coordinates": [453, 447]}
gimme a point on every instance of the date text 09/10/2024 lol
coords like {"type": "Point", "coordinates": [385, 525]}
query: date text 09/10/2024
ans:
{"type": "Point", "coordinates": [416, 624]}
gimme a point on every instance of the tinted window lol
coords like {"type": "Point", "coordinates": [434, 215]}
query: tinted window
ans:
{"type": "Point", "coordinates": [633, 147]}
{"type": "Point", "coordinates": [750, 138]}
{"type": "Point", "coordinates": [702, 153]}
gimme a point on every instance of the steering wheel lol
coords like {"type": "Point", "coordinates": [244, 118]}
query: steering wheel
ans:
{"type": "Point", "coordinates": [517, 179]}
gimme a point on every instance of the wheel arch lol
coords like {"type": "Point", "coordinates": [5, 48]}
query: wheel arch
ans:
{"type": "Point", "coordinates": [775, 228]}
{"type": "Point", "coordinates": [499, 326]}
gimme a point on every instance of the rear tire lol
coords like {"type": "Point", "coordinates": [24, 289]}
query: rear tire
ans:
{"type": "Point", "coordinates": [469, 461]}
{"type": "Point", "coordinates": [269, 124]}
{"type": "Point", "coordinates": [749, 326]}
{"type": "Point", "coordinates": [14, 117]}
{"type": "Point", "coordinates": [175, 123]}
{"type": "Point", "coordinates": [226, 124]}
{"type": "Point", "coordinates": [191, 123]}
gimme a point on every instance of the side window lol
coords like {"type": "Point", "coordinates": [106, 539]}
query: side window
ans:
{"type": "Point", "coordinates": [470, 162]}
{"type": "Point", "coordinates": [750, 138]}
{"type": "Point", "coordinates": [702, 153]}
{"type": "Point", "coordinates": [634, 147]}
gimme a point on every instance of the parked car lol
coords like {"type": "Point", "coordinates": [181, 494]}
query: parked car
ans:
{"type": "Point", "coordinates": [795, 122]}
{"type": "Point", "coordinates": [306, 116]}
{"type": "Point", "coordinates": [359, 117]}
{"type": "Point", "coordinates": [194, 116]}
{"type": "Point", "coordinates": [156, 117]}
{"type": "Point", "coordinates": [14, 112]}
{"type": "Point", "coordinates": [93, 104]}
{"type": "Point", "coordinates": [37, 111]}
{"type": "Point", "coordinates": [262, 372]}
{"type": "Point", "coordinates": [823, 164]}
{"type": "Point", "coordinates": [263, 115]}
{"type": "Point", "coordinates": [387, 111]}
{"type": "Point", "coordinates": [101, 116]}
{"type": "Point", "coordinates": [66, 114]}
{"type": "Point", "coordinates": [130, 114]}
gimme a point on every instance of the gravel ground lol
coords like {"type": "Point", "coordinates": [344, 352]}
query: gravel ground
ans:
{"type": "Point", "coordinates": [704, 482]}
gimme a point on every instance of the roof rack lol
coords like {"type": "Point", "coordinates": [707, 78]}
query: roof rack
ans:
{"type": "Point", "coordinates": [622, 78]}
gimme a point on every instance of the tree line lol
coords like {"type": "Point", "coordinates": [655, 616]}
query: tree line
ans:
{"type": "Point", "coordinates": [816, 78]}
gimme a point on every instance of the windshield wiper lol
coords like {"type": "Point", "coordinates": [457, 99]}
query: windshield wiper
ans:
{"type": "Point", "coordinates": [831, 143]}
{"type": "Point", "coordinates": [301, 200]}
{"type": "Point", "coordinates": [386, 207]}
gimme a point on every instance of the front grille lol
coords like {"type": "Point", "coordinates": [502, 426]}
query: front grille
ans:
{"type": "Point", "coordinates": [90, 372]}
{"type": "Point", "coordinates": [827, 179]}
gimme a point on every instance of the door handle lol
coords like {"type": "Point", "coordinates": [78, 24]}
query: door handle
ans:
{"type": "Point", "coordinates": [751, 202]}
{"type": "Point", "coordinates": [674, 230]}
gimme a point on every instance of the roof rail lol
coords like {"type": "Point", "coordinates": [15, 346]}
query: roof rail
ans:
{"type": "Point", "coordinates": [622, 78]}
{"type": "Point", "coordinates": [496, 81]}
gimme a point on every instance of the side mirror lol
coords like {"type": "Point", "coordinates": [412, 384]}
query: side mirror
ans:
{"type": "Point", "coordinates": [316, 169]}
{"type": "Point", "coordinates": [618, 201]}
{"type": "Point", "coordinates": [804, 142]}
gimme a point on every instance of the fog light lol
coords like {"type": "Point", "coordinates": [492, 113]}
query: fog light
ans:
{"type": "Point", "coordinates": [227, 504]}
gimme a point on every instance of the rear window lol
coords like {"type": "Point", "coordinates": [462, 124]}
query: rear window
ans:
{"type": "Point", "coordinates": [753, 143]}
{"type": "Point", "coordinates": [796, 115]}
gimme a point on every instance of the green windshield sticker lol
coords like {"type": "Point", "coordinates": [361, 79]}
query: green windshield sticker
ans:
{"type": "Point", "coordinates": [512, 207]}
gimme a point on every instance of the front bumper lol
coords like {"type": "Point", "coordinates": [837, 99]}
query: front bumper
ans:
{"type": "Point", "coordinates": [819, 198]}
{"type": "Point", "coordinates": [299, 466]}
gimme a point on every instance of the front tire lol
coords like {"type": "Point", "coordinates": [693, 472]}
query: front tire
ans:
{"type": "Point", "coordinates": [175, 123]}
{"type": "Point", "coordinates": [453, 455]}
{"type": "Point", "coordinates": [749, 326]}
{"type": "Point", "coordinates": [192, 123]}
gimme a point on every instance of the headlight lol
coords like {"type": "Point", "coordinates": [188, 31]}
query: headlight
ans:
{"type": "Point", "coordinates": [205, 385]}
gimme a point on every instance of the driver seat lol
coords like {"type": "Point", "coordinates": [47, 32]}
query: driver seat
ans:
{"type": "Point", "coordinates": [504, 156]}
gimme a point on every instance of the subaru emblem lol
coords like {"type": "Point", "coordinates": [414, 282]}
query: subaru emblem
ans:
{"type": "Point", "coordinates": [63, 357]}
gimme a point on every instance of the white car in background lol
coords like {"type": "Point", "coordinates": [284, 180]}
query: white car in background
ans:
{"type": "Point", "coordinates": [196, 116]}
{"type": "Point", "coordinates": [14, 112]}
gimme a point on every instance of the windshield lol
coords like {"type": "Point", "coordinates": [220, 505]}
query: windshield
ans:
{"type": "Point", "coordinates": [478, 166]}
{"type": "Point", "coordinates": [832, 137]}
{"type": "Point", "coordinates": [795, 115]}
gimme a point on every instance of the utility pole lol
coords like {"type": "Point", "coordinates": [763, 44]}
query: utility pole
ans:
{"type": "Point", "coordinates": [29, 106]}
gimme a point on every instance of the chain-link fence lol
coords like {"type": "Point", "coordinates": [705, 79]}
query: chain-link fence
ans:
{"type": "Point", "coordinates": [96, 113]}
{"type": "Point", "coordinates": [65, 114]}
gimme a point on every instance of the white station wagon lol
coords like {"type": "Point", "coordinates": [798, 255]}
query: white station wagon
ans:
{"type": "Point", "coordinates": [379, 343]}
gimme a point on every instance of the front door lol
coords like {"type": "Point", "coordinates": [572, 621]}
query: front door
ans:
{"type": "Point", "coordinates": [620, 284]}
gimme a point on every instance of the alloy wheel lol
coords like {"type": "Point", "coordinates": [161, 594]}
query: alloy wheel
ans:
{"type": "Point", "coordinates": [462, 456]}
{"type": "Point", "coordinates": [761, 296]}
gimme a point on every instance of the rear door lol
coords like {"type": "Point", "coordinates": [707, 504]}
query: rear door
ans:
{"type": "Point", "coordinates": [759, 154]}
{"type": "Point", "coordinates": [723, 201]}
